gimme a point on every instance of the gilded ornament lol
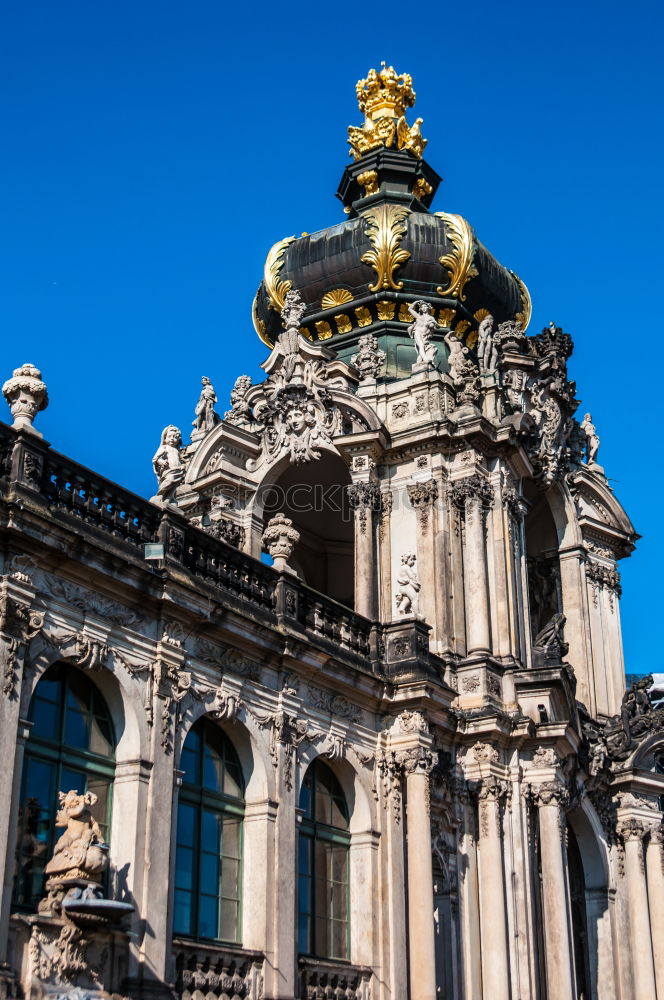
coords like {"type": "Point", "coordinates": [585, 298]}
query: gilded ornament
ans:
{"type": "Point", "coordinates": [404, 315]}
{"type": "Point", "coordinates": [471, 339]}
{"type": "Point", "coordinates": [259, 324]}
{"type": "Point", "coordinates": [343, 322]}
{"type": "Point", "coordinates": [524, 314]}
{"type": "Point", "coordinates": [481, 314]}
{"type": "Point", "coordinates": [459, 261]}
{"type": "Point", "coordinates": [421, 188]}
{"type": "Point", "coordinates": [461, 328]}
{"type": "Point", "coordinates": [386, 225]}
{"type": "Point", "coordinates": [363, 316]}
{"type": "Point", "coordinates": [369, 181]}
{"type": "Point", "coordinates": [335, 297]}
{"type": "Point", "coordinates": [385, 309]}
{"type": "Point", "coordinates": [410, 137]}
{"type": "Point", "coordinates": [277, 289]}
{"type": "Point", "coordinates": [370, 136]}
{"type": "Point", "coordinates": [323, 329]}
{"type": "Point", "coordinates": [446, 317]}
{"type": "Point", "coordinates": [384, 97]}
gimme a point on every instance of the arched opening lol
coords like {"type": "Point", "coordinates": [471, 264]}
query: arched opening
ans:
{"type": "Point", "coordinates": [323, 866]}
{"type": "Point", "coordinates": [208, 854]}
{"type": "Point", "coordinates": [577, 890]}
{"type": "Point", "coordinates": [71, 746]}
{"type": "Point", "coordinates": [542, 545]}
{"type": "Point", "coordinates": [444, 931]}
{"type": "Point", "coordinates": [314, 496]}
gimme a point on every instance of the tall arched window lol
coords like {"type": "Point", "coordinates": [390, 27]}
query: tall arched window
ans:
{"type": "Point", "coordinates": [323, 897]}
{"type": "Point", "coordinates": [209, 837]}
{"type": "Point", "coordinates": [71, 746]}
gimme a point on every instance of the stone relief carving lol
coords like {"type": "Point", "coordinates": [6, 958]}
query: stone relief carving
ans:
{"type": "Point", "coordinates": [408, 586]}
{"type": "Point", "coordinates": [423, 496]}
{"type": "Point", "coordinates": [364, 498]}
{"type": "Point", "coordinates": [21, 568]}
{"type": "Point", "coordinates": [602, 577]}
{"type": "Point", "coordinates": [205, 415]}
{"type": "Point", "coordinates": [288, 732]}
{"type": "Point", "coordinates": [87, 600]}
{"type": "Point", "coordinates": [421, 330]}
{"type": "Point", "coordinates": [26, 395]}
{"type": "Point", "coordinates": [168, 465]}
{"type": "Point", "coordinates": [369, 360]}
{"type": "Point", "coordinates": [474, 487]}
{"type": "Point", "coordinates": [18, 626]}
{"type": "Point", "coordinates": [335, 704]}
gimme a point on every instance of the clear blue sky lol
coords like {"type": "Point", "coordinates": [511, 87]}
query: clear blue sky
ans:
{"type": "Point", "coordinates": [154, 151]}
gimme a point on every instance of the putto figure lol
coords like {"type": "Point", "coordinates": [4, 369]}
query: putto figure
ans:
{"type": "Point", "coordinates": [422, 330]}
{"type": "Point", "coordinates": [240, 412]}
{"type": "Point", "coordinates": [408, 587]}
{"type": "Point", "coordinates": [206, 418]}
{"type": "Point", "coordinates": [167, 464]}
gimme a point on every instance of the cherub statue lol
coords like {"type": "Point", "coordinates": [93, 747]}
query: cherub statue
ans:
{"type": "Point", "coordinates": [167, 463]}
{"type": "Point", "coordinates": [408, 592]}
{"type": "Point", "coordinates": [421, 330]}
{"type": "Point", "coordinates": [240, 412]}
{"type": "Point", "coordinates": [487, 349]}
{"type": "Point", "coordinates": [80, 852]}
{"type": "Point", "coordinates": [206, 418]}
{"type": "Point", "coordinates": [457, 358]}
{"type": "Point", "coordinates": [592, 438]}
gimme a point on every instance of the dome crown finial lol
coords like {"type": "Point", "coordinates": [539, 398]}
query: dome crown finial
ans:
{"type": "Point", "coordinates": [385, 93]}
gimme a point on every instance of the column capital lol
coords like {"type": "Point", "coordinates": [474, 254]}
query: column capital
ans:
{"type": "Point", "coordinates": [422, 496]}
{"type": "Point", "coordinates": [631, 829]}
{"type": "Point", "coordinates": [550, 793]}
{"type": "Point", "coordinates": [491, 789]}
{"type": "Point", "coordinates": [364, 498]}
{"type": "Point", "coordinates": [473, 488]}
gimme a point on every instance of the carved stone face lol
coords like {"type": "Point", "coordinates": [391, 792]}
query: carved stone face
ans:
{"type": "Point", "coordinates": [296, 420]}
{"type": "Point", "coordinates": [173, 438]}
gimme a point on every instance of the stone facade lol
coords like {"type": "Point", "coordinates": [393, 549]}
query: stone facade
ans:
{"type": "Point", "coordinates": [435, 653]}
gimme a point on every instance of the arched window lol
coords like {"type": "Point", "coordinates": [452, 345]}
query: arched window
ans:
{"type": "Point", "coordinates": [209, 837]}
{"type": "Point", "coordinates": [71, 746]}
{"type": "Point", "coordinates": [323, 896]}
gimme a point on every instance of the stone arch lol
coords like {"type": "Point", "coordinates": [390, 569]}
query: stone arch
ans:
{"type": "Point", "coordinates": [355, 786]}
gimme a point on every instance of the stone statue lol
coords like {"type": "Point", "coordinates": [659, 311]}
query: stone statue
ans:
{"type": "Point", "coordinates": [240, 412]}
{"type": "Point", "coordinates": [421, 330]}
{"type": "Point", "coordinates": [205, 418]}
{"type": "Point", "coordinates": [26, 395]}
{"type": "Point", "coordinates": [457, 358]}
{"type": "Point", "coordinates": [549, 645]}
{"type": "Point", "coordinates": [279, 540]}
{"type": "Point", "coordinates": [293, 310]}
{"type": "Point", "coordinates": [289, 340]}
{"type": "Point", "coordinates": [370, 359]}
{"type": "Point", "coordinates": [487, 352]}
{"type": "Point", "coordinates": [80, 853]}
{"type": "Point", "coordinates": [167, 464]}
{"type": "Point", "coordinates": [408, 587]}
{"type": "Point", "coordinates": [592, 438]}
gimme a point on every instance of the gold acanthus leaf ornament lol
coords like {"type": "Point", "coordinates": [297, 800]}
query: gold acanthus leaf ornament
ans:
{"type": "Point", "coordinates": [459, 261]}
{"type": "Point", "coordinates": [386, 225]}
{"type": "Point", "coordinates": [275, 287]}
{"type": "Point", "coordinates": [259, 324]}
{"type": "Point", "coordinates": [526, 311]}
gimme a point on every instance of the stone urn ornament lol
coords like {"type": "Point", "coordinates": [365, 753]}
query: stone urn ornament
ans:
{"type": "Point", "coordinates": [279, 540]}
{"type": "Point", "coordinates": [26, 395]}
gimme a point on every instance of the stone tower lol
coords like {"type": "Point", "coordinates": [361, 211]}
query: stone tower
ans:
{"type": "Point", "coordinates": [356, 669]}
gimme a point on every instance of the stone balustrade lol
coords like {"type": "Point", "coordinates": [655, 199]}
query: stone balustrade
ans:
{"type": "Point", "coordinates": [329, 980]}
{"type": "Point", "coordinates": [217, 971]}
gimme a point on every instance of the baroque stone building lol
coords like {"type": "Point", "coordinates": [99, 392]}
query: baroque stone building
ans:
{"type": "Point", "coordinates": [346, 698]}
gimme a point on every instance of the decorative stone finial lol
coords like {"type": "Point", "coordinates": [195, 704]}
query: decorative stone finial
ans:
{"type": "Point", "coordinates": [279, 540]}
{"type": "Point", "coordinates": [167, 464]}
{"type": "Point", "coordinates": [26, 395]}
{"type": "Point", "coordinates": [370, 359]}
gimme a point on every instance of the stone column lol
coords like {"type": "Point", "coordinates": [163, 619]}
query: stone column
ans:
{"type": "Point", "coordinates": [655, 873]}
{"type": "Point", "coordinates": [385, 540]}
{"type": "Point", "coordinates": [364, 498]}
{"type": "Point", "coordinates": [493, 916]}
{"type": "Point", "coordinates": [418, 763]}
{"type": "Point", "coordinates": [550, 797]}
{"type": "Point", "coordinates": [423, 498]}
{"type": "Point", "coordinates": [633, 832]}
{"type": "Point", "coordinates": [282, 975]}
{"type": "Point", "coordinates": [473, 496]}
{"type": "Point", "coordinates": [469, 923]}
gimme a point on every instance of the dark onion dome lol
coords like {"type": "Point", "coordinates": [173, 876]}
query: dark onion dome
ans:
{"type": "Point", "coordinates": [359, 276]}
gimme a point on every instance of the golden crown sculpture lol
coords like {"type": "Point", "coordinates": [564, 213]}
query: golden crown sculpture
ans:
{"type": "Point", "coordinates": [384, 97]}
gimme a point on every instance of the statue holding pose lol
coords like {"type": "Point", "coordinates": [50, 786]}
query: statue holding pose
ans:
{"type": "Point", "coordinates": [487, 350]}
{"type": "Point", "coordinates": [206, 417]}
{"type": "Point", "coordinates": [592, 438]}
{"type": "Point", "coordinates": [167, 464]}
{"type": "Point", "coordinates": [457, 358]}
{"type": "Point", "coordinates": [421, 330]}
{"type": "Point", "coordinates": [80, 852]}
{"type": "Point", "coordinates": [408, 587]}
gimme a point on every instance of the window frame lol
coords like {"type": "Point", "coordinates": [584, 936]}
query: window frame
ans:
{"type": "Point", "coordinates": [312, 832]}
{"type": "Point", "coordinates": [222, 805]}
